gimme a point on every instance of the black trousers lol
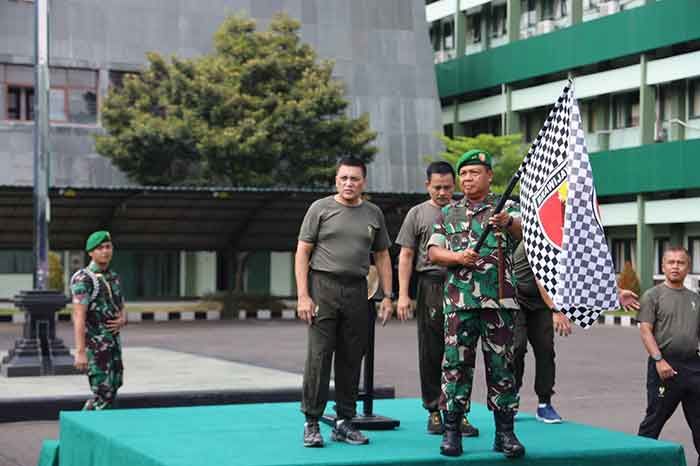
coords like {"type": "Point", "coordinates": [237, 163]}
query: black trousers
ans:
{"type": "Point", "coordinates": [340, 328]}
{"type": "Point", "coordinates": [664, 396]}
{"type": "Point", "coordinates": [431, 341]}
{"type": "Point", "coordinates": [535, 326]}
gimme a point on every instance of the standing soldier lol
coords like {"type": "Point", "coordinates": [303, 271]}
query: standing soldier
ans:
{"type": "Point", "coordinates": [331, 264]}
{"type": "Point", "coordinates": [98, 316]}
{"type": "Point", "coordinates": [479, 302]}
{"type": "Point", "coordinates": [413, 236]}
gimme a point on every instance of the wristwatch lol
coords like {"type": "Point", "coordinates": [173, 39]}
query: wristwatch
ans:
{"type": "Point", "coordinates": [657, 357]}
{"type": "Point", "coordinates": [390, 296]}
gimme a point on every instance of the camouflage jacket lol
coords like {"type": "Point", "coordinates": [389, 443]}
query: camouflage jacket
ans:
{"type": "Point", "coordinates": [101, 292]}
{"type": "Point", "coordinates": [459, 228]}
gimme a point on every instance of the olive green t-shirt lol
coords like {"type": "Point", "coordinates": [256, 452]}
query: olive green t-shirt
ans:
{"type": "Point", "coordinates": [415, 233]}
{"type": "Point", "coordinates": [343, 236]}
{"type": "Point", "coordinates": [527, 293]}
{"type": "Point", "coordinates": [675, 316]}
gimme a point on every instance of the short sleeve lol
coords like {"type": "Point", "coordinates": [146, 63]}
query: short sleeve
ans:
{"type": "Point", "coordinates": [381, 239]}
{"type": "Point", "coordinates": [648, 308]}
{"type": "Point", "coordinates": [81, 288]}
{"type": "Point", "coordinates": [407, 234]}
{"type": "Point", "coordinates": [512, 208]}
{"type": "Point", "coordinates": [311, 224]}
{"type": "Point", "coordinates": [439, 235]}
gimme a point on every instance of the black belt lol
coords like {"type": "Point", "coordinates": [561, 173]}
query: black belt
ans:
{"type": "Point", "coordinates": [344, 279]}
{"type": "Point", "coordinates": [432, 276]}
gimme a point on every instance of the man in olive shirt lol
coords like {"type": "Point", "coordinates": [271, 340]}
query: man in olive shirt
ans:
{"type": "Point", "coordinates": [669, 323]}
{"type": "Point", "coordinates": [331, 264]}
{"type": "Point", "coordinates": [413, 239]}
{"type": "Point", "coordinates": [536, 323]}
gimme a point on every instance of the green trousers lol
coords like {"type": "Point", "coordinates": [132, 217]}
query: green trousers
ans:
{"type": "Point", "coordinates": [463, 329]}
{"type": "Point", "coordinates": [340, 328]}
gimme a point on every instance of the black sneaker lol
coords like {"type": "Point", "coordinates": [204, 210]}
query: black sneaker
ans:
{"type": "Point", "coordinates": [312, 435]}
{"type": "Point", "coordinates": [467, 429]}
{"type": "Point", "coordinates": [344, 431]}
{"type": "Point", "coordinates": [435, 426]}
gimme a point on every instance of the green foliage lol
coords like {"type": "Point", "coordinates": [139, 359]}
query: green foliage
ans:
{"type": "Point", "coordinates": [628, 279]}
{"type": "Point", "coordinates": [55, 272]}
{"type": "Point", "coordinates": [508, 152]}
{"type": "Point", "coordinates": [260, 110]}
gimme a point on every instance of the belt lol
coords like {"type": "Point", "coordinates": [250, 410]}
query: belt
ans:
{"type": "Point", "coordinates": [432, 275]}
{"type": "Point", "coordinates": [344, 279]}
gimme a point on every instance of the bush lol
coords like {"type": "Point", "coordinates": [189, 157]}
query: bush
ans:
{"type": "Point", "coordinates": [55, 272]}
{"type": "Point", "coordinates": [628, 279]}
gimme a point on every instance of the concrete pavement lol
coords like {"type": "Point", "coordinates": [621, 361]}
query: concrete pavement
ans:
{"type": "Point", "coordinates": [600, 372]}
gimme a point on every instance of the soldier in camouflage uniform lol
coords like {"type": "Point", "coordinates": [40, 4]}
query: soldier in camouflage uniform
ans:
{"type": "Point", "coordinates": [98, 316]}
{"type": "Point", "coordinates": [479, 301]}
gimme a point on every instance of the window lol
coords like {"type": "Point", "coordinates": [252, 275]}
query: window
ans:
{"type": "Point", "coordinates": [20, 103]}
{"type": "Point", "coordinates": [626, 110]}
{"type": "Point", "coordinates": [498, 21]}
{"type": "Point", "coordinates": [448, 38]}
{"type": "Point", "coordinates": [16, 261]}
{"type": "Point", "coordinates": [474, 28]}
{"type": "Point", "coordinates": [694, 251]}
{"type": "Point", "coordinates": [528, 13]}
{"type": "Point", "coordinates": [623, 250]}
{"type": "Point", "coordinates": [590, 116]}
{"type": "Point", "coordinates": [660, 245]}
{"type": "Point", "coordinates": [694, 98]}
{"type": "Point", "coordinates": [72, 97]}
{"type": "Point", "coordinates": [547, 11]}
{"type": "Point", "coordinates": [563, 8]}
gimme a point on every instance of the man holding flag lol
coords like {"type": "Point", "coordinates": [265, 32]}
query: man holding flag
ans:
{"type": "Point", "coordinates": [478, 302]}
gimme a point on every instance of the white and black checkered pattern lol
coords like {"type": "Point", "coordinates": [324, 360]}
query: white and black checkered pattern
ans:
{"type": "Point", "coordinates": [580, 276]}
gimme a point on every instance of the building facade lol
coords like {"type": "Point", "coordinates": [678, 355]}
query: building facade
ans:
{"type": "Point", "coordinates": [381, 51]}
{"type": "Point", "coordinates": [501, 64]}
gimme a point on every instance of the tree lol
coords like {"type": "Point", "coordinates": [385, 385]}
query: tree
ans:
{"type": "Point", "coordinates": [508, 152]}
{"type": "Point", "coordinates": [628, 279]}
{"type": "Point", "coordinates": [260, 110]}
{"type": "Point", "coordinates": [55, 272]}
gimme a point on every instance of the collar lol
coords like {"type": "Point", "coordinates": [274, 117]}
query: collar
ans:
{"type": "Point", "coordinates": [474, 208]}
{"type": "Point", "coordinates": [96, 269]}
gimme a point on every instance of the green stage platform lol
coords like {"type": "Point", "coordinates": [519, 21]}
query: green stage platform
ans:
{"type": "Point", "coordinates": [270, 435]}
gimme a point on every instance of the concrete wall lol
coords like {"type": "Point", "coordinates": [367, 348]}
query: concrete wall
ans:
{"type": "Point", "coordinates": [381, 48]}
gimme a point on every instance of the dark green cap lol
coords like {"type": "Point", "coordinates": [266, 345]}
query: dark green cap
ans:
{"type": "Point", "coordinates": [96, 239]}
{"type": "Point", "coordinates": [475, 157]}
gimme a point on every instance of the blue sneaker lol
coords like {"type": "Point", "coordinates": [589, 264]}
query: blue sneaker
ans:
{"type": "Point", "coordinates": [547, 414]}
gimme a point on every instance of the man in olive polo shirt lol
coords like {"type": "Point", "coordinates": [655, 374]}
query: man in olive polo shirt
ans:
{"type": "Point", "coordinates": [669, 324]}
{"type": "Point", "coordinates": [413, 239]}
{"type": "Point", "coordinates": [331, 264]}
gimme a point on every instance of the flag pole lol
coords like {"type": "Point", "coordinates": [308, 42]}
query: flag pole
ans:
{"type": "Point", "coordinates": [499, 207]}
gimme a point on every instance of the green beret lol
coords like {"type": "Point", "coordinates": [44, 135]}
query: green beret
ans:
{"type": "Point", "coordinates": [96, 239]}
{"type": "Point", "coordinates": [475, 157]}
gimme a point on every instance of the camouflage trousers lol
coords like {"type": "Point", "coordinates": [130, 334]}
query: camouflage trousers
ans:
{"type": "Point", "coordinates": [462, 331]}
{"type": "Point", "coordinates": [105, 372]}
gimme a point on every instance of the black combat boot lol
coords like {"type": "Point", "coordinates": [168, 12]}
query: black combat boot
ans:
{"type": "Point", "coordinates": [451, 439]}
{"type": "Point", "coordinates": [506, 441]}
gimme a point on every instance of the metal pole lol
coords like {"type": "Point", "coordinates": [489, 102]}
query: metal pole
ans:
{"type": "Point", "coordinates": [41, 147]}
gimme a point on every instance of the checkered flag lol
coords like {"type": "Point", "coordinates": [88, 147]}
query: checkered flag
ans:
{"type": "Point", "coordinates": [562, 230]}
